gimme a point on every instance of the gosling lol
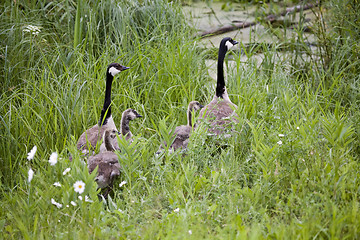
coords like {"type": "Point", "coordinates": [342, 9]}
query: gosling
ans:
{"type": "Point", "coordinates": [182, 133]}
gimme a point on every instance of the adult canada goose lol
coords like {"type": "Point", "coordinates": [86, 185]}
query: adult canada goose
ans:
{"type": "Point", "coordinates": [107, 161]}
{"type": "Point", "coordinates": [127, 116]}
{"type": "Point", "coordinates": [91, 136]}
{"type": "Point", "coordinates": [182, 133]}
{"type": "Point", "coordinates": [220, 111]}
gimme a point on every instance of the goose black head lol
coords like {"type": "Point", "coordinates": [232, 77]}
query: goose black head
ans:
{"type": "Point", "coordinates": [195, 105]}
{"type": "Point", "coordinates": [115, 68]}
{"type": "Point", "coordinates": [130, 114]}
{"type": "Point", "coordinates": [228, 43]}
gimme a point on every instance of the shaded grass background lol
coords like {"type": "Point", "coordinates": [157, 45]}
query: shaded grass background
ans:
{"type": "Point", "coordinates": [292, 171]}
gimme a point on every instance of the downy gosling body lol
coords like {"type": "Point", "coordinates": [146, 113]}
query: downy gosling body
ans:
{"type": "Point", "coordinates": [182, 133]}
{"type": "Point", "coordinates": [107, 161]}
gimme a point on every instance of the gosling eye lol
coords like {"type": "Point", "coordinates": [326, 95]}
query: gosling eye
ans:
{"type": "Point", "coordinates": [112, 163]}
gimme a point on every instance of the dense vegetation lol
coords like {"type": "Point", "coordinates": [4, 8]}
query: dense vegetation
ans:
{"type": "Point", "coordinates": [290, 171]}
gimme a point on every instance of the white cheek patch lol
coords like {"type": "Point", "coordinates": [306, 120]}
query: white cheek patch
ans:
{"type": "Point", "coordinates": [113, 71]}
{"type": "Point", "coordinates": [229, 44]}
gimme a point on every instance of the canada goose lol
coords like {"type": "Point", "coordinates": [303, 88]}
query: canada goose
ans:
{"type": "Point", "coordinates": [182, 133]}
{"type": "Point", "coordinates": [219, 112]}
{"type": "Point", "coordinates": [127, 116]}
{"type": "Point", "coordinates": [107, 161]}
{"type": "Point", "coordinates": [106, 121]}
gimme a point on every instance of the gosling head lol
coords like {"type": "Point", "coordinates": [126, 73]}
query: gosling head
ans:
{"type": "Point", "coordinates": [109, 139]}
{"type": "Point", "coordinates": [195, 105]}
{"type": "Point", "coordinates": [130, 114]}
{"type": "Point", "coordinates": [110, 134]}
{"type": "Point", "coordinates": [115, 68]}
{"type": "Point", "coordinates": [108, 171]}
{"type": "Point", "coordinates": [228, 43]}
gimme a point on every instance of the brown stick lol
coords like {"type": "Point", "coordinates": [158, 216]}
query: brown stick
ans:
{"type": "Point", "coordinates": [227, 28]}
{"type": "Point", "coordinates": [270, 18]}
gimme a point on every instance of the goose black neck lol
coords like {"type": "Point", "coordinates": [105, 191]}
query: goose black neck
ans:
{"type": "Point", "coordinates": [106, 110]}
{"type": "Point", "coordinates": [220, 86]}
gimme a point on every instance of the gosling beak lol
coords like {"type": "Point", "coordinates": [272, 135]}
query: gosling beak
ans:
{"type": "Point", "coordinates": [201, 106]}
{"type": "Point", "coordinates": [235, 42]}
{"type": "Point", "coordinates": [138, 115]}
{"type": "Point", "coordinates": [114, 174]}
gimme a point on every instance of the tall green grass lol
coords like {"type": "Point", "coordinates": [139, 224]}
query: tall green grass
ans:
{"type": "Point", "coordinates": [290, 171]}
{"type": "Point", "coordinates": [58, 87]}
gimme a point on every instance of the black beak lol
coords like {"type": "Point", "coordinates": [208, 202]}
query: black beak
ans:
{"type": "Point", "coordinates": [138, 115]}
{"type": "Point", "coordinates": [201, 106]}
{"type": "Point", "coordinates": [124, 68]}
{"type": "Point", "coordinates": [235, 42]}
{"type": "Point", "coordinates": [119, 133]}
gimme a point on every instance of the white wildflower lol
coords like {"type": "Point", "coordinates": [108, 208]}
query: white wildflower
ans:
{"type": "Point", "coordinates": [279, 142]}
{"type": "Point", "coordinates": [80, 197]}
{"type": "Point", "coordinates": [53, 158]}
{"type": "Point", "coordinates": [87, 199]}
{"type": "Point", "coordinates": [66, 171]}
{"type": "Point", "coordinates": [281, 135]}
{"type": "Point", "coordinates": [30, 175]}
{"type": "Point", "coordinates": [57, 184]}
{"type": "Point", "coordinates": [190, 232]}
{"type": "Point", "coordinates": [32, 29]}
{"type": "Point", "coordinates": [58, 205]}
{"type": "Point", "coordinates": [122, 183]}
{"type": "Point", "coordinates": [32, 152]}
{"type": "Point", "coordinates": [177, 210]}
{"type": "Point", "coordinates": [79, 186]}
{"type": "Point", "coordinates": [73, 203]}
{"type": "Point", "coordinates": [297, 128]}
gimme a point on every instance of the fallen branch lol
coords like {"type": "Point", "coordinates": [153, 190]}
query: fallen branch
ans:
{"type": "Point", "coordinates": [270, 18]}
{"type": "Point", "coordinates": [227, 28]}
